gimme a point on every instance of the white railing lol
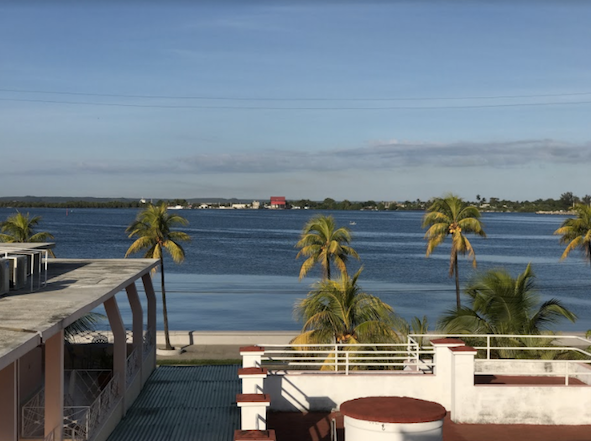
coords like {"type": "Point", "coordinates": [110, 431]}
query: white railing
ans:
{"type": "Point", "coordinates": [80, 422]}
{"type": "Point", "coordinates": [343, 358]}
{"type": "Point", "coordinates": [571, 367]}
{"type": "Point", "coordinates": [133, 365]}
{"type": "Point", "coordinates": [517, 338]}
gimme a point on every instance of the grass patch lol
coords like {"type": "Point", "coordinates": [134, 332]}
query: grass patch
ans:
{"type": "Point", "coordinates": [202, 362]}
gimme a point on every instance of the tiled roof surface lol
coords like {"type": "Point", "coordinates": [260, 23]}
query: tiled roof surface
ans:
{"type": "Point", "coordinates": [196, 403]}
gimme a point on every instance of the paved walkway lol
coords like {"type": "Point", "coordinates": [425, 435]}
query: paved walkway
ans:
{"type": "Point", "coordinates": [207, 352]}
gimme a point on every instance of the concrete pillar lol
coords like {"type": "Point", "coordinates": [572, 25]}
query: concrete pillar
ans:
{"type": "Point", "coordinates": [251, 356]}
{"type": "Point", "coordinates": [462, 381]}
{"type": "Point", "coordinates": [119, 345]}
{"type": "Point", "coordinates": [443, 366]}
{"type": "Point", "coordinates": [54, 385]}
{"type": "Point", "coordinates": [9, 403]}
{"type": "Point", "coordinates": [253, 410]}
{"type": "Point", "coordinates": [252, 379]}
{"type": "Point", "coordinates": [138, 324]}
{"type": "Point", "coordinates": [151, 297]}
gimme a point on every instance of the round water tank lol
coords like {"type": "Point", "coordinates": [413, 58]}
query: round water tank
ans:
{"type": "Point", "coordinates": [393, 419]}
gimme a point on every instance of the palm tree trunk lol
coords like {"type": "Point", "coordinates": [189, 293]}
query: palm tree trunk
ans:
{"type": "Point", "coordinates": [164, 310]}
{"type": "Point", "coordinates": [458, 303]}
{"type": "Point", "coordinates": [327, 268]}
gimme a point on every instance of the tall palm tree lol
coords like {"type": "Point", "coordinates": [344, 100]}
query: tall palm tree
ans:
{"type": "Point", "coordinates": [451, 216]}
{"type": "Point", "coordinates": [20, 228]}
{"type": "Point", "coordinates": [340, 312]}
{"type": "Point", "coordinates": [501, 304]}
{"type": "Point", "coordinates": [153, 228]}
{"type": "Point", "coordinates": [576, 232]}
{"type": "Point", "coordinates": [321, 242]}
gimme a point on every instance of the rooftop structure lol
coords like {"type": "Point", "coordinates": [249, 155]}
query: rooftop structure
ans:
{"type": "Point", "coordinates": [35, 400]}
{"type": "Point", "coordinates": [278, 202]}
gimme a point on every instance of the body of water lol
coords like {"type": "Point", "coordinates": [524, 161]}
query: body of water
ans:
{"type": "Point", "coordinates": [240, 271]}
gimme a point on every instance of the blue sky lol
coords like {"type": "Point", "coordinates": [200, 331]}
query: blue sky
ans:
{"type": "Point", "coordinates": [342, 99]}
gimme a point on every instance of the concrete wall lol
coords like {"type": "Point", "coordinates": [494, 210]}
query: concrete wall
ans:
{"type": "Point", "coordinates": [30, 374]}
{"type": "Point", "coordinates": [517, 367]}
{"type": "Point", "coordinates": [502, 404]}
{"type": "Point", "coordinates": [326, 391]}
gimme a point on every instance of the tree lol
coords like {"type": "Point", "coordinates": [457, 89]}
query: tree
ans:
{"type": "Point", "coordinates": [20, 228]}
{"type": "Point", "coordinates": [452, 216]}
{"type": "Point", "coordinates": [576, 232]}
{"type": "Point", "coordinates": [153, 228]}
{"type": "Point", "coordinates": [501, 304]}
{"type": "Point", "coordinates": [340, 312]}
{"type": "Point", "coordinates": [567, 200]}
{"type": "Point", "coordinates": [321, 242]}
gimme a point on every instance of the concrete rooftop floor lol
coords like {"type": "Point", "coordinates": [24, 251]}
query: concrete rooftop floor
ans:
{"type": "Point", "coordinates": [74, 288]}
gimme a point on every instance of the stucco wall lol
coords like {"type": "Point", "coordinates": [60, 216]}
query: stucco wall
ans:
{"type": "Point", "coordinates": [501, 404]}
{"type": "Point", "coordinates": [318, 391]}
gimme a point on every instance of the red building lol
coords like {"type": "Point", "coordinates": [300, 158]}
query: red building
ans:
{"type": "Point", "coordinates": [278, 202]}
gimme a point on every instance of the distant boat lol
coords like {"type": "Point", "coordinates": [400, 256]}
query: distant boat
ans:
{"type": "Point", "coordinates": [176, 207]}
{"type": "Point", "coordinates": [352, 223]}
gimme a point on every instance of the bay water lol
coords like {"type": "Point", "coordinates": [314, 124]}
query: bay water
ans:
{"type": "Point", "coordinates": [241, 272]}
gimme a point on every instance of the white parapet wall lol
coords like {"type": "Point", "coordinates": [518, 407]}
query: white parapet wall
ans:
{"type": "Point", "coordinates": [307, 391]}
{"type": "Point", "coordinates": [503, 404]}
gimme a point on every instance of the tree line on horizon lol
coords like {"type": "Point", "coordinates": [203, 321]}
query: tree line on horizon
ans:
{"type": "Point", "coordinates": [565, 203]}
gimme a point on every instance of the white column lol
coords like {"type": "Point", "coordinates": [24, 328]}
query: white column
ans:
{"type": "Point", "coordinates": [251, 356]}
{"type": "Point", "coordinates": [253, 411]}
{"type": "Point", "coordinates": [252, 379]}
{"type": "Point", "coordinates": [462, 394]}
{"type": "Point", "coordinates": [54, 385]}
{"type": "Point", "coordinates": [443, 366]}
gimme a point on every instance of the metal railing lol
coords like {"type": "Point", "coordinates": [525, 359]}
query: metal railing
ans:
{"type": "Point", "coordinates": [518, 349]}
{"type": "Point", "coordinates": [343, 358]}
{"type": "Point", "coordinates": [80, 422]}
{"type": "Point", "coordinates": [515, 338]}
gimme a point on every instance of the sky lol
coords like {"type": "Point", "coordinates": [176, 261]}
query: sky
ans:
{"type": "Point", "coordinates": [341, 99]}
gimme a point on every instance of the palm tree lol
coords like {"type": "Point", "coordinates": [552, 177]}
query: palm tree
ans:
{"type": "Point", "coordinates": [576, 232]}
{"type": "Point", "coordinates": [321, 242]}
{"type": "Point", "coordinates": [452, 216]}
{"type": "Point", "coordinates": [153, 228]}
{"type": "Point", "coordinates": [340, 312]}
{"type": "Point", "coordinates": [501, 304]}
{"type": "Point", "coordinates": [19, 228]}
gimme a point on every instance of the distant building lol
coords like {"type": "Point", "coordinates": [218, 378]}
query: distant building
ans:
{"type": "Point", "coordinates": [255, 205]}
{"type": "Point", "coordinates": [278, 202]}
